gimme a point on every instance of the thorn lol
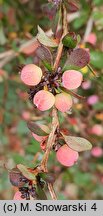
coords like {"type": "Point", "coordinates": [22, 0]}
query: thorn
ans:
{"type": "Point", "coordinates": [93, 72]}
{"type": "Point", "coordinates": [77, 96]}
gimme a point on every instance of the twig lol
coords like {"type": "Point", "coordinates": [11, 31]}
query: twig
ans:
{"type": "Point", "coordinates": [93, 72]}
{"type": "Point", "coordinates": [52, 192]}
{"type": "Point", "coordinates": [55, 122]}
{"type": "Point", "coordinates": [60, 47]}
{"type": "Point", "coordinates": [74, 94]}
{"type": "Point", "coordinates": [51, 140]}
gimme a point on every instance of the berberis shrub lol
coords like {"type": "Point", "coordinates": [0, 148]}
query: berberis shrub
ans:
{"type": "Point", "coordinates": [52, 84]}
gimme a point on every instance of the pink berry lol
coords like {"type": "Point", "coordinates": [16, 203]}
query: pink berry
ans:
{"type": "Point", "coordinates": [67, 156]}
{"type": "Point", "coordinates": [63, 102]}
{"type": "Point", "coordinates": [31, 74]}
{"type": "Point", "coordinates": [97, 151]}
{"type": "Point", "coordinates": [17, 196]}
{"type": "Point", "coordinates": [93, 99]}
{"type": "Point", "coordinates": [44, 100]}
{"type": "Point", "coordinates": [97, 130]}
{"type": "Point", "coordinates": [72, 79]}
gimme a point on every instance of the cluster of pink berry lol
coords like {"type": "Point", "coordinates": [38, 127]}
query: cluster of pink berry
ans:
{"type": "Point", "coordinates": [44, 98]}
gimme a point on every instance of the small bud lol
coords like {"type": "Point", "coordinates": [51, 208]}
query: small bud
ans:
{"type": "Point", "coordinates": [70, 40]}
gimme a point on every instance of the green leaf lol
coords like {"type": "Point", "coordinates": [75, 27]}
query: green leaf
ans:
{"type": "Point", "coordinates": [44, 39]}
{"type": "Point", "coordinates": [47, 65]}
{"type": "Point", "coordinates": [78, 144]}
{"type": "Point", "coordinates": [70, 67]}
{"type": "Point", "coordinates": [25, 172]}
{"type": "Point", "coordinates": [97, 59]}
{"type": "Point", "coordinates": [35, 128]}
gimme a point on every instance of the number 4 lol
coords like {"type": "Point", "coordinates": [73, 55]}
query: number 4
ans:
{"type": "Point", "coordinates": [94, 207]}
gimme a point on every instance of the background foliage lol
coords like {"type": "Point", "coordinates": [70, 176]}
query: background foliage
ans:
{"type": "Point", "coordinates": [18, 24]}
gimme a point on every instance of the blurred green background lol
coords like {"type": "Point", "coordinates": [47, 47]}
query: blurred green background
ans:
{"type": "Point", "coordinates": [18, 24]}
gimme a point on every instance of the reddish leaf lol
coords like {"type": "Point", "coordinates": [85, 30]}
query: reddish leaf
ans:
{"type": "Point", "coordinates": [15, 176]}
{"type": "Point", "coordinates": [44, 54]}
{"type": "Point", "coordinates": [79, 58]}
